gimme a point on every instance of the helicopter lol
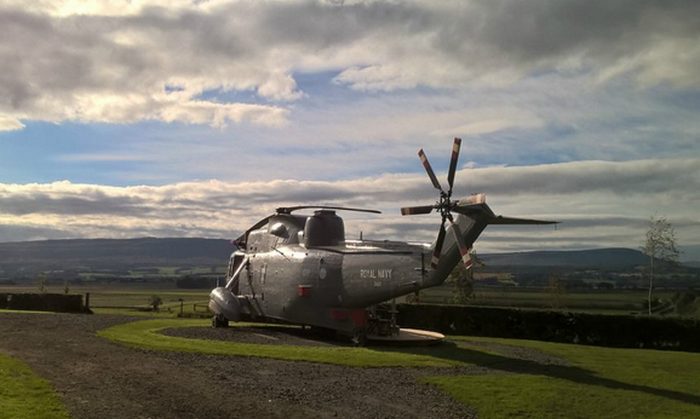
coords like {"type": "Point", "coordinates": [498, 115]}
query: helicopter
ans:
{"type": "Point", "coordinates": [301, 269]}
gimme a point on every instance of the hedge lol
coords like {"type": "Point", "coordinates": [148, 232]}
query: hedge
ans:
{"type": "Point", "coordinates": [70, 303]}
{"type": "Point", "coordinates": [555, 326]}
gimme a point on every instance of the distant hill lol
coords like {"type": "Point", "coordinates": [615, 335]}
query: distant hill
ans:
{"type": "Point", "coordinates": [111, 253]}
{"type": "Point", "coordinates": [124, 253]}
{"type": "Point", "coordinates": [611, 259]}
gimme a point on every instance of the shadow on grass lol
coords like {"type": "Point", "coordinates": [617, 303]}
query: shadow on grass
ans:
{"type": "Point", "coordinates": [453, 352]}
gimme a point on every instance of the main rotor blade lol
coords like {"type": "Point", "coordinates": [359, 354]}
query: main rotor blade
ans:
{"type": "Point", "coordinates": [429, 169]}
{"type": "Point", "coordinates": [422, 209]}
{"type": "Point", "coordinates": [289, 210]}
{"type": "Point", "coordinates": [463, 249]}
{"type": "Point", "coordinates": [438, 246]}
{"type": "Point", "coordinates": [453, 163]}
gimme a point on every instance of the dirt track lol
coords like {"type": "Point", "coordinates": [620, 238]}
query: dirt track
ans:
{"type": "Point", "coordinates": [100, 379]}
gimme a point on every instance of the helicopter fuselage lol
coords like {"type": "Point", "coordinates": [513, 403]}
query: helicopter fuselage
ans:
{"type": "Point", "coordinates": [325, 281]}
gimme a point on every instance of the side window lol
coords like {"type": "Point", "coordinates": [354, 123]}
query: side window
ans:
{"type": "Point", "coordinates": [231, 269]}
{"type": "Point", "coordinates": [234, 263]}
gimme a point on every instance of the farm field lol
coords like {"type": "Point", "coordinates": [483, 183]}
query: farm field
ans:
{"type": "Point", "coordinates": [603, 302]}
{"type": "Point", "coordinates": [133, 299]}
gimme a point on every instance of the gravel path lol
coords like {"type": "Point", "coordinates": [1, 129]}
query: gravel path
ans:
{"type": "Point", "coordinates": [100, 379]}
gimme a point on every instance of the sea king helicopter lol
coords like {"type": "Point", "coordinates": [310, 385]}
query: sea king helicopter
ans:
{"type": "Point", "coordinates": [301, 269]}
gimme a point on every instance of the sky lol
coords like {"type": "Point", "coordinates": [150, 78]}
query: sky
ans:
{"type": "Point", "coordinates": [185, 118]}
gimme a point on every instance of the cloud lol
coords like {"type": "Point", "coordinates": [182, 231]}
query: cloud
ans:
{"type": "Point", "coordinates": [497, 42]}
{"type": "Point", "coordinates": [128, 61]}
{"type": "Point", "coordinates": [619, 178]}
{"type": "Point", "coordinates": [599, 203]}
{"type": "Point", "coordinates": [9, 124]}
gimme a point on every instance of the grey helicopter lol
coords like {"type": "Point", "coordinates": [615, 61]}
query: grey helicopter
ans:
{"type": "Point", "coordinates": [301, 269]}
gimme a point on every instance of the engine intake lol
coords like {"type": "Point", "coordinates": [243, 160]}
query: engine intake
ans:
{"type": "Point", "coordinates": [324, 228]}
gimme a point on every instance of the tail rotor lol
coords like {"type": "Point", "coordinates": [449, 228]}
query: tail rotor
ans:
{"type": "Point", "coordinates": [444, 206]}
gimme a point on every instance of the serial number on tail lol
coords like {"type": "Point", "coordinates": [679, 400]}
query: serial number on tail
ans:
{"type": "Point", "coordinates": [375, 273]}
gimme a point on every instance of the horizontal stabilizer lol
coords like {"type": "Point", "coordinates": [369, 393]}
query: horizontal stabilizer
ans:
{"type": "Point", "coordinates": [510, 220]}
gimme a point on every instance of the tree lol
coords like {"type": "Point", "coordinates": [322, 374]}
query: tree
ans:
{"type": "Point", "coordinates": [557, 289]}
{"type": "Point", "coordinates": [155, 302]}
{"type": "Point", "coordinates": [660, 246]}
{"type": "Point", "coordinates": [463, 279]}
{"type": "Point", "coordinates": [41, 282]}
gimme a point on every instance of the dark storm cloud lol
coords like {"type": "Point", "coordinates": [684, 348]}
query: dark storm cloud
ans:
{"type": "Point", "coordinates": [524, 31]}
{"type": "Point", "coordinates": [535, 30]}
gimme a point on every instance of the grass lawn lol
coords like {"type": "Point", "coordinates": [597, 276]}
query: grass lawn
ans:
{"type": "Point", "coordinates": [145, 334]}
{"type": "Point", "coordinates": [25, 395]}
{"type": "Point", "coordinates": [597, 382]}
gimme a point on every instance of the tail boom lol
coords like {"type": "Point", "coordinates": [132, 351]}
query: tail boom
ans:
{"type": "Point", "coordinates": [472, 219]}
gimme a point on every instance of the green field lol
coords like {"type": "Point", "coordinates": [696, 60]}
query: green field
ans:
{"type": "Point", "coordinates": [134, 298]}
{"type": "Point", "coordinates": [602, 302]}
{"type": "Point", "coordinates": [593, 381]}
{"type": "Point", "coordinates": [24, 395]}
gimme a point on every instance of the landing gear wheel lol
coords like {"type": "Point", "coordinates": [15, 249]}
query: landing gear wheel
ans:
{"type": "Point", "coordinates": [219, 321]}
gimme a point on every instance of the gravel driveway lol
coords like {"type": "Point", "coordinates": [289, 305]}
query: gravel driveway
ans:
{"type": "Point", "coordinates": [100, 379]}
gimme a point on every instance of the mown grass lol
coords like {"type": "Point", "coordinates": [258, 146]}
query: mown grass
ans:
{"type": "Point", "coordinates": [7, 310]}
{"type": "Point", "coordinates": [593, 382]}
{"type": "Point", "coordinates": [144, 334]}
{"type": "Point", "coordinates": [536, 396]}
{"type": "Point", "coordinates": [23, 394]}
{"type": "Point", "coordinates": [135, 312]}
{"type": "Point", "coordinates": [599, 382]}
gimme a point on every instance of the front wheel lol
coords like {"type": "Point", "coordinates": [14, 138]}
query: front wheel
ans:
{"type": "Point", "coordinates": [219, 321]}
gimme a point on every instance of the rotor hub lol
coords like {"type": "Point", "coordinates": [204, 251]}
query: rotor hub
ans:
{"type": "Point", "coordinates": [444, 206]}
